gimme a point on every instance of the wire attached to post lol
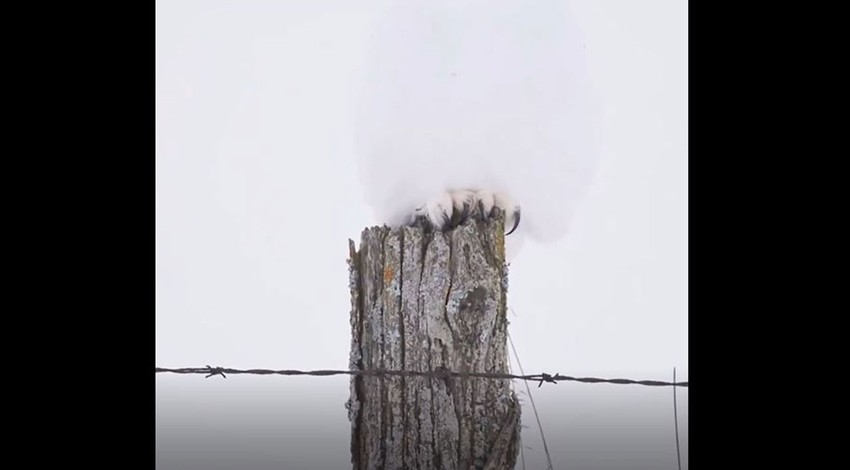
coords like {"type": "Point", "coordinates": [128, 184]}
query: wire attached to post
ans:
{"type": "Point", "coordinates": [547, 378]}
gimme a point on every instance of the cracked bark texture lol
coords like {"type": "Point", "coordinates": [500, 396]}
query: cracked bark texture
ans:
{"type": "Point", "coordinates": [423, 301]}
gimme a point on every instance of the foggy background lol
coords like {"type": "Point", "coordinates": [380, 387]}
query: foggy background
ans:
{"type": "Point", "coordinates": [258, 192]}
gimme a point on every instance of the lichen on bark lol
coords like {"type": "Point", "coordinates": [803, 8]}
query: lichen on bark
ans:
{"type": "Point", "coordinates": [431, 301]}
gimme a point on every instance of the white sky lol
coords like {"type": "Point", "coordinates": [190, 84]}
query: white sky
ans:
{"type": "Point", "coordinates": [258, 192]}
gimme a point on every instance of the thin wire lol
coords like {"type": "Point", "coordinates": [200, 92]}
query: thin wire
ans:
{"type": "Point", "coordinates": [521, 452]}
{"type": "Point", "coordinates": [533, 407]}
{"type": "Point", "coordinates": [675, 420]}
{"type": "Point", "coordinates": [437, 373]}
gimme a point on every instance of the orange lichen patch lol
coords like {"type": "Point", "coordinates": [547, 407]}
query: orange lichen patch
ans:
{"type": "Point", "coordinates": [388, 274]}
{"type": "Point", "coordinates": [500, 239]}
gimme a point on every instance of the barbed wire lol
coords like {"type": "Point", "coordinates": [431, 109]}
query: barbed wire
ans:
{"type": "Point", "coordinates": [437, 373]}
{"type": "Point", "coordinates": [549, 465]}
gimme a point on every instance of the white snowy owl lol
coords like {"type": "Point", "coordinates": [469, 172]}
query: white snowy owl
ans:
{"type": "Point", "coordinates": [471, 105]}
{"type": "Point", "coordinates": [450, 209]}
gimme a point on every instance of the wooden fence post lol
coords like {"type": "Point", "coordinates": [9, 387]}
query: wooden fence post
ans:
{"type": "Point", "coordinates": [431, 301]}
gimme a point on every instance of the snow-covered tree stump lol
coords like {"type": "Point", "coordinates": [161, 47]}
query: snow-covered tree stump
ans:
{"type": "Point", "coordinates": [431, 301]}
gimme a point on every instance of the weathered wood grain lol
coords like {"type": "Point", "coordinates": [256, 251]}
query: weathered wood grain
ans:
{"type": "Point", "coordinates": [430, 301]}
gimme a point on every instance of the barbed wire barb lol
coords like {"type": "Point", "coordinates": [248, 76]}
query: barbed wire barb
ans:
{"type": "Point", "coordinates": [439, 373]}
{"type": "Point", "coordinates": [547, 378]}
{"type": "Point", "coordinates": [215, 371]}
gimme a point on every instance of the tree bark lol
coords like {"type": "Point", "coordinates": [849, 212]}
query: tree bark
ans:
{"type": "Point", "coordinates": [431, 301]}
